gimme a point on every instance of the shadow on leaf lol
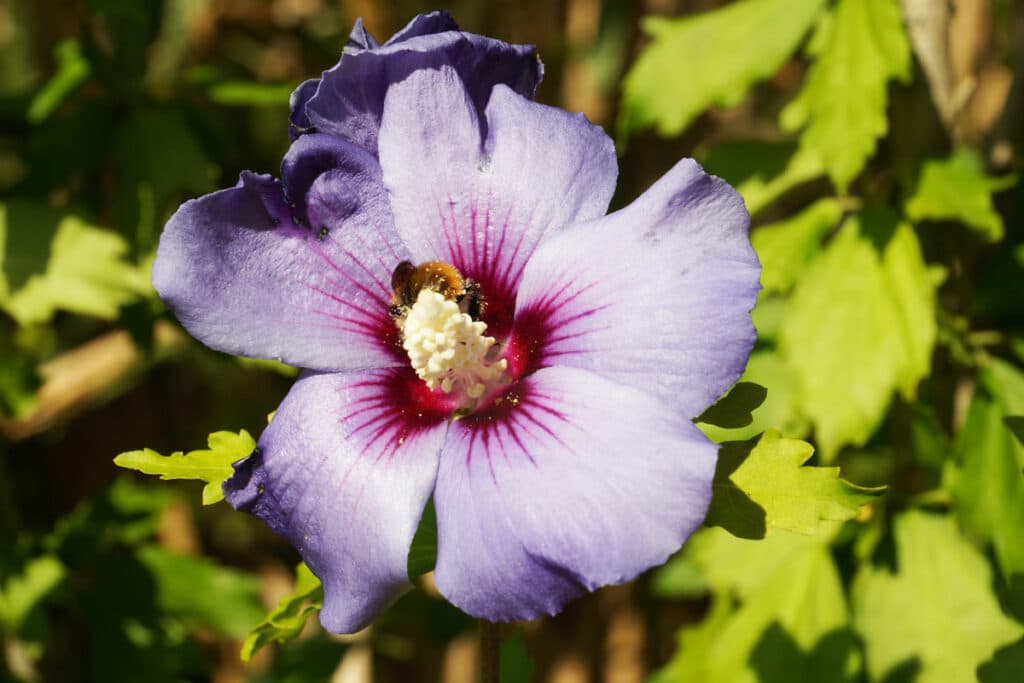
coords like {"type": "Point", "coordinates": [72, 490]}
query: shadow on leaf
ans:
{"type": "Point", "coordinates": [778, 658]}
{"type": "Point", "coordinates": [731, 508]}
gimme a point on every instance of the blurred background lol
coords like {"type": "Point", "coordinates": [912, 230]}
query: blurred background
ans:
{"type": "Point", "coordinates": [877, 145]}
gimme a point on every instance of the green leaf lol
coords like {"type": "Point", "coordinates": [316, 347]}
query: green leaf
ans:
{"type": "Point", "coordinates": [937, 609]}
{"type": "Point", "coordinates": [248, 94]}
{"type": "Point", "coordinates": [1016, 425]}
{"type": "Point", "coordinates": [857, 49]}
{"type": "Point", "coordinates": [988, 485]}
{"type": "Point", "coordinates": [761, 484]}
{"type": "Point", "coordinates": [780, 409]}
{"type": "Point", "coordinates": [514, 663]}
{"type": "Point", "coordinates": [160, 162]}
{"type": "Point", "coordinates": [860, 324]}
{"type": "Point", "coordinates": [694, 62]}
{"type": "Point", "coordinates": [72, 70]}
{"type": "Point", "coordinates": [958, 189]}
{"type": "Point", "coordinates": [199, 591]}
{"type": "Point", "coordinates": [25, 590]}
{"type": "Point", "coordinates": [212, 465]}
{"type": "Point", "coordinates": [287, 620]}
{"type": "Point", "coordinates": [735, 408]}
{"type": "Point", "coordinates": [787, 246]}
{"type": "Point", "coordinates": [86, 271]}
{"type": "Point", "coordinates": [791, 621]}
{"type": "Point", "coordinates": [761, 171]}
{"type": "Point", "coordinates": [1005, 666]}
{"type": "Point", "coordinates": [423, 551]}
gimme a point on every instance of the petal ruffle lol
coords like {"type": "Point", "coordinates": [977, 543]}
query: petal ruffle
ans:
{"type": "Point", "coordinates": [483, 203]}
{"type": "Point", "coordinates": [573, 483]}
{"type": "Point", "coordinates": [343, 472]}
{"type": "Point", "coordinates": [247, 276]}
{"type": "Point", "coordinates": [656, 296]}
{"type": "Point", "coordinates": [349, 99]}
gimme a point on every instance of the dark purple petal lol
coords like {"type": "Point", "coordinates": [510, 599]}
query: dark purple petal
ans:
{"type": "Point", "coordinates": [350, 98]}
{"type": "Point", "coordinates": [656, 296]}
{"type": "Point", "coordinates": [361, 39]}
{"type": "Point", "coordinates": [298, 122]}
{"type": "Point", "coordinates": [343, 472]}
{"type": "Point", "coordinates": [571, 483]}
{"type": "Point", "coordinates": [246, 275]}
{"type": "Point", "coordinates": [424, 25]}
{"type": "Point", "coordinates": [484, 205]}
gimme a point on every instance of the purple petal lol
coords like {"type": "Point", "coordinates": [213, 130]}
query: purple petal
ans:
{"type": "Point", "coordinates": [574, 483]}
{"type": "Point", "coordinates": [343, 472]}
{"type": "Point", "coordinates": [349, 101]}
{"type": "Point", "coordinates": [246, 275]}
{"type": "Point", "coordinates": [361, 39]}
{"type": "Point", "coordinates": [484, 206]}
{"type": "Point", "coordinates": [424, 25]}
{"type": "Point", "coordinates": [656, 296]}
{"type": "Point", "coordinates": [298, 121]}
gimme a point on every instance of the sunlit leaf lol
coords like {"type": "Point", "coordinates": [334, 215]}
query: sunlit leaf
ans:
{"type": "Point", "coordinates": [249, 94]}
{"type": "Point", "coordinates": [694, 62]}
{"type": "Point", "coordinates": [763, 484]}
{"type": "Point", "coordinates": [72, 70]}
{"type": "Point", "coordinates": [791, 623]}
{"type": "Point", "coordinates": [85, 272]}
{"type": "Point", "coordinates": [27, 588]}
{"type": "Point", "coordinates": [857, 50]}
{"type": "Point", "coordinates": [786, 247]}
{"type": "Point", "coordinates": [212, 465]}
{"type": "Point", "coordinates": [988, 485]}
{"type": "Point", "coordinates": [958, 189]}
{"type": "Point", "coordinates": [199, 591]}
{"type": "Point", "coordinates": [860, 324]}
{"type": "Point", "coordinates": [287, 620]}
{"type": "Point", "coordinates": [936, 609]}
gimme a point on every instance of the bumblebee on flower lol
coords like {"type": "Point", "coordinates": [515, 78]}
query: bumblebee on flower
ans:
{"type": "Point", "coordinates": [474, 330]}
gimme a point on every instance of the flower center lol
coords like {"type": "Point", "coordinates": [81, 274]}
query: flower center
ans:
{"type": "Point", "coordinates": [447, 348]}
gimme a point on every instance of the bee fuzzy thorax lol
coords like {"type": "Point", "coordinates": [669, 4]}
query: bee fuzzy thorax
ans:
{"type": "Point", "coordinates": [408, 281]}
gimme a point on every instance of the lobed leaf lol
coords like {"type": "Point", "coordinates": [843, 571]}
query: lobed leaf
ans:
{"type": "Point", "coordinates": [937, 609]}
{"type": "Point", "coordinates": [85, 272]}
{"type": "Point", "coordinates": [988, 486]}
{"type": "Point", "coordinates": [185, 585]}
{"type": "Point", "coordinates": [287, 620]}
{"type": "Point", "coordinates": [857, 49]}
{"type": "Point", "coordinates": [791, 623]}
{"type": "Point", "coordinates": [958, 189]}
{"type": "Point", "coordinates": [787, 246]}
{"type": "Point", "coordinates": [736, 408]}
{"type": "Point", "coordinates": [860, 325]}
{"type": "Point", "coordinates": [212, 465]}
{"type": "Point", "coordinates": [694, 62]}
{"type": "Point", "coordinates": [762, 484]}
{"type": "Point", "coordinates": [22, 592]}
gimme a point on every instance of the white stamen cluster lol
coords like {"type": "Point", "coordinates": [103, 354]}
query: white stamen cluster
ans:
{"type": "Point", "coordinates": [448, 348]}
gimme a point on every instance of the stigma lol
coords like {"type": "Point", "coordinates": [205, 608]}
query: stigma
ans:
{"type": "Point", "coordinates": [448, 349]}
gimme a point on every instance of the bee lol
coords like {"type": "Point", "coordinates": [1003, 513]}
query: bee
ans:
{"type": "Point", "coordinates": [408, 281]}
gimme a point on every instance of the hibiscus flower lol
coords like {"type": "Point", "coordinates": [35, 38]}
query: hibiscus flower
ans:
{"type": "Point", "coordinates": [476, 330]}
